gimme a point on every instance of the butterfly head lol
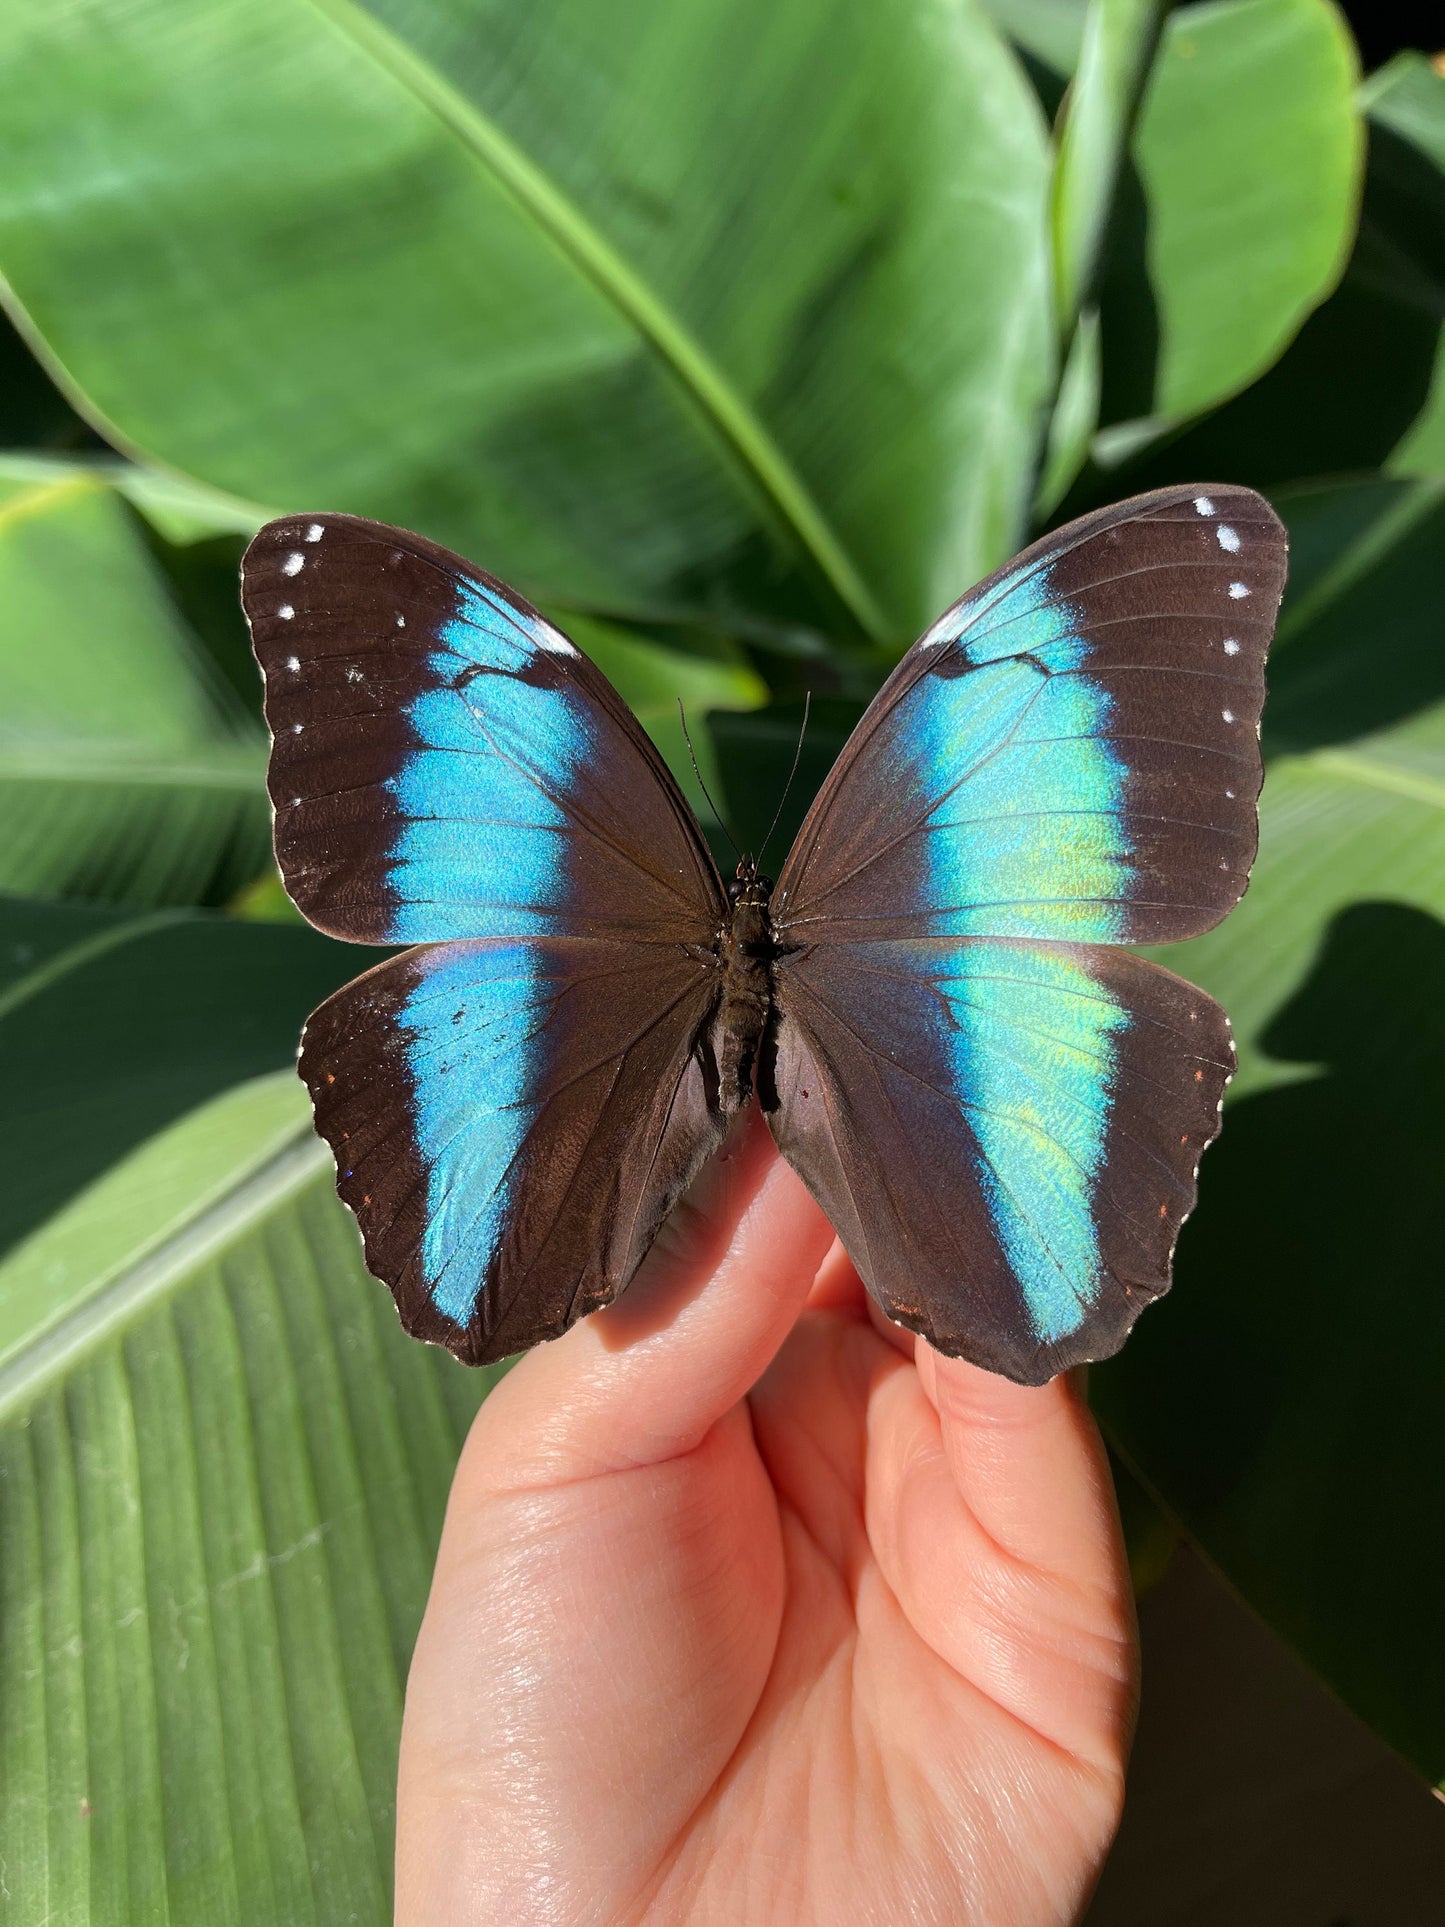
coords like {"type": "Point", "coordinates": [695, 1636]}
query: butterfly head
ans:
{"type": "Point", "coordinates": [749, 887]}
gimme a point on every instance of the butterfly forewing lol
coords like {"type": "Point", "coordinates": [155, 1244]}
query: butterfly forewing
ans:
{"type": "Point", "coordinates": [1070, 752]}
{"type": "Point", "coordinates": [514, 1105]}
{"type": "Point", "coordinates": [1003, 1116]}
{"type": "Point", "coordinates": [445, 763]}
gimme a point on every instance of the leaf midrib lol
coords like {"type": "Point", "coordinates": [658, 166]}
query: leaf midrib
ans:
{"type": "Point", "coordinates": [1356, 768]}
{"type": "Point", "coordinates": [230, 768]}
{"type": "Point", "coordinates": [1373, 546]}
{"type": "Point", "coordinates": [593, 256]}
{"type": "Point", "coordinates": [63, 962]}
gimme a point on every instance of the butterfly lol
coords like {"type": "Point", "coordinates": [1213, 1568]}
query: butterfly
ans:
{"type": "Point", "coordinates": [1000, 1108]}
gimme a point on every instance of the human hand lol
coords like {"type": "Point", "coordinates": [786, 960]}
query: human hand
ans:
{"type": "Point", "coordinates": [750, 1607]}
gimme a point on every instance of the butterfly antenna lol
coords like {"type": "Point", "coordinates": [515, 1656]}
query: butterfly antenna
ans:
{"type": "Point", "coordinates": [692, 758]}
{"type": "Point", "coordinates": [797, 757]}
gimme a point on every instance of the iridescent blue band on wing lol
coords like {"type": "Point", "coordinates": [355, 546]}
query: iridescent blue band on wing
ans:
{"type": "Point", "coordinates": [474, 1027]}
{"type": "Point", "coordinates": [480, 839]}
{"type": "Point", "coordinates": [1029, 835]}
{"type": "Point", "coordinates": [1031, 1039]}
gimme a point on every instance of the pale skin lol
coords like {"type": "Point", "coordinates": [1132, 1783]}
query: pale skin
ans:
{"type": "Point", "coordinates": [752, 1608]}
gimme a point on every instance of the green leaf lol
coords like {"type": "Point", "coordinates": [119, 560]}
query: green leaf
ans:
{"type": "Point", "coordinates": [1248, 153]}
{"type": "Point", "coordinates": [177, 508]}
{"type": "Point", "coordinates": [114, 1023]}
{"type": "Point", "coordinates": [1096, 120]}
{"type": "Point", "coordinates": [656, 309]}
{"type": "Point", "coordinates": [222, 1474]}
{"type": "Point", "coordinates": [222, 1466]}
{"type": "Point", "coordinates": [1283, 1400]}
{"type": "Point", "coordinates": [1051, 32]}
{"type": "Point", "coordinates": [128, 771]}
{"type": "Point", "coordinates": [1406, 252]}
{"type": "Point", "coordinates": [653, 679]}
{"type": "Point", "coordinates": [1385, 324]}
{"type": "Point", "coordinates": [1075, 417]}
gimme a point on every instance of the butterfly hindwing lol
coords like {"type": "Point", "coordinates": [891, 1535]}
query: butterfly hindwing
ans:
{"type": "Point", "coordinates": [1002, 1115]}
{"type": "Point", "coordinates": [445, 763]}
{"type": "Point", "coordinates": [1004, 1133]}
{"type": "Point", "coordinates": [512, 1119]}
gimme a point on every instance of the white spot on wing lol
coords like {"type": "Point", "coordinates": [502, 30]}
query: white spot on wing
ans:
{"type": "Point", "coordinates": [1238, 591]}
{"type": "Point", "coordinates": [293, 663]}
{"type": "Point", "coordinates": [294, 563]}
{"type": "Point", "coordinates": [315, 532]}
{"type": "Point", "coordinates": [285, 612]}
{"type": "Point", "coordinates": [353, 674]}
{"type": "Point", "coordinates": [1227, 538]}
{"type": "Point", "coordinates": [1230, 795]}
{"type": "Point", "coordinates": [1227, 714]}
{"type": "Point", "coordinates": [296, 728]}
{"type": "Point", "coordinates": [1231, 647]}
{"type": "Point", "coordinates": [1204, 505]}
{"type": "Point", "coordinates": [401, 622]}
{"type": "Point", "coordinates": [549, 639]}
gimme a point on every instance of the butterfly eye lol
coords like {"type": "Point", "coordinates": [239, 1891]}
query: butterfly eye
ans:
{"type": "Point", "coordinates": [735, 890]}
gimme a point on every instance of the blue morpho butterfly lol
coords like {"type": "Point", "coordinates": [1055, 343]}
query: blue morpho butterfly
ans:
{"type": "Point", "coordinates": [1001, 1111]}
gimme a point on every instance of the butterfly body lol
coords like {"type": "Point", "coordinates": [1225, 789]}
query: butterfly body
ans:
{"type": "Point", "coordinates": [747, 951]}
{"type": "Point", "coordinates": [1000, 1106]}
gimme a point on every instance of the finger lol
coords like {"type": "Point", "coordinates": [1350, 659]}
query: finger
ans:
{"type": "Point", "coordinates": [647, 1379]}
{"type": "Point", "coordinates": [1029, 1464]}
{"type": "Point", "coordinates": [837, 1286]}
{"type": "Point", "coordinates": [991, 1512]}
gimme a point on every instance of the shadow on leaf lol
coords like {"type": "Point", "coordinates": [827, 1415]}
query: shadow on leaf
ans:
{"type": "Point", "coordinates": [1287, 1394]}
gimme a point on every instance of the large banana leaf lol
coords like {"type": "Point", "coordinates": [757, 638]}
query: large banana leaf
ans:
{"type": "Point", "coordinates": [222, 1475]}
{"type": "Point", "coordinates": [656, 308]}
{"type": "Point", "coordinates": [1284, 1399]}
{"type": "Point", "coordinates": [128, 769]}
{"type": "Point", "coordinates": [222, 1467]}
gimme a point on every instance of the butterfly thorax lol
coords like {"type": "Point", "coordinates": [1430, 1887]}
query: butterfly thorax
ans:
{"type": "Point", "coordinates": [746, 948]}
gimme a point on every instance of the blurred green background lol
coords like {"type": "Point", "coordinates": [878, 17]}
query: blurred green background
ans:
{"type": "Point", "coordinates": [742, 335]}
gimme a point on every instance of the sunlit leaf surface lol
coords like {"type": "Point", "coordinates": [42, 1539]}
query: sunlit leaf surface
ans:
{"type": "Point", "coordinates": [128, 771]}
{"type": "Point", "coordinates": [650, 322]}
